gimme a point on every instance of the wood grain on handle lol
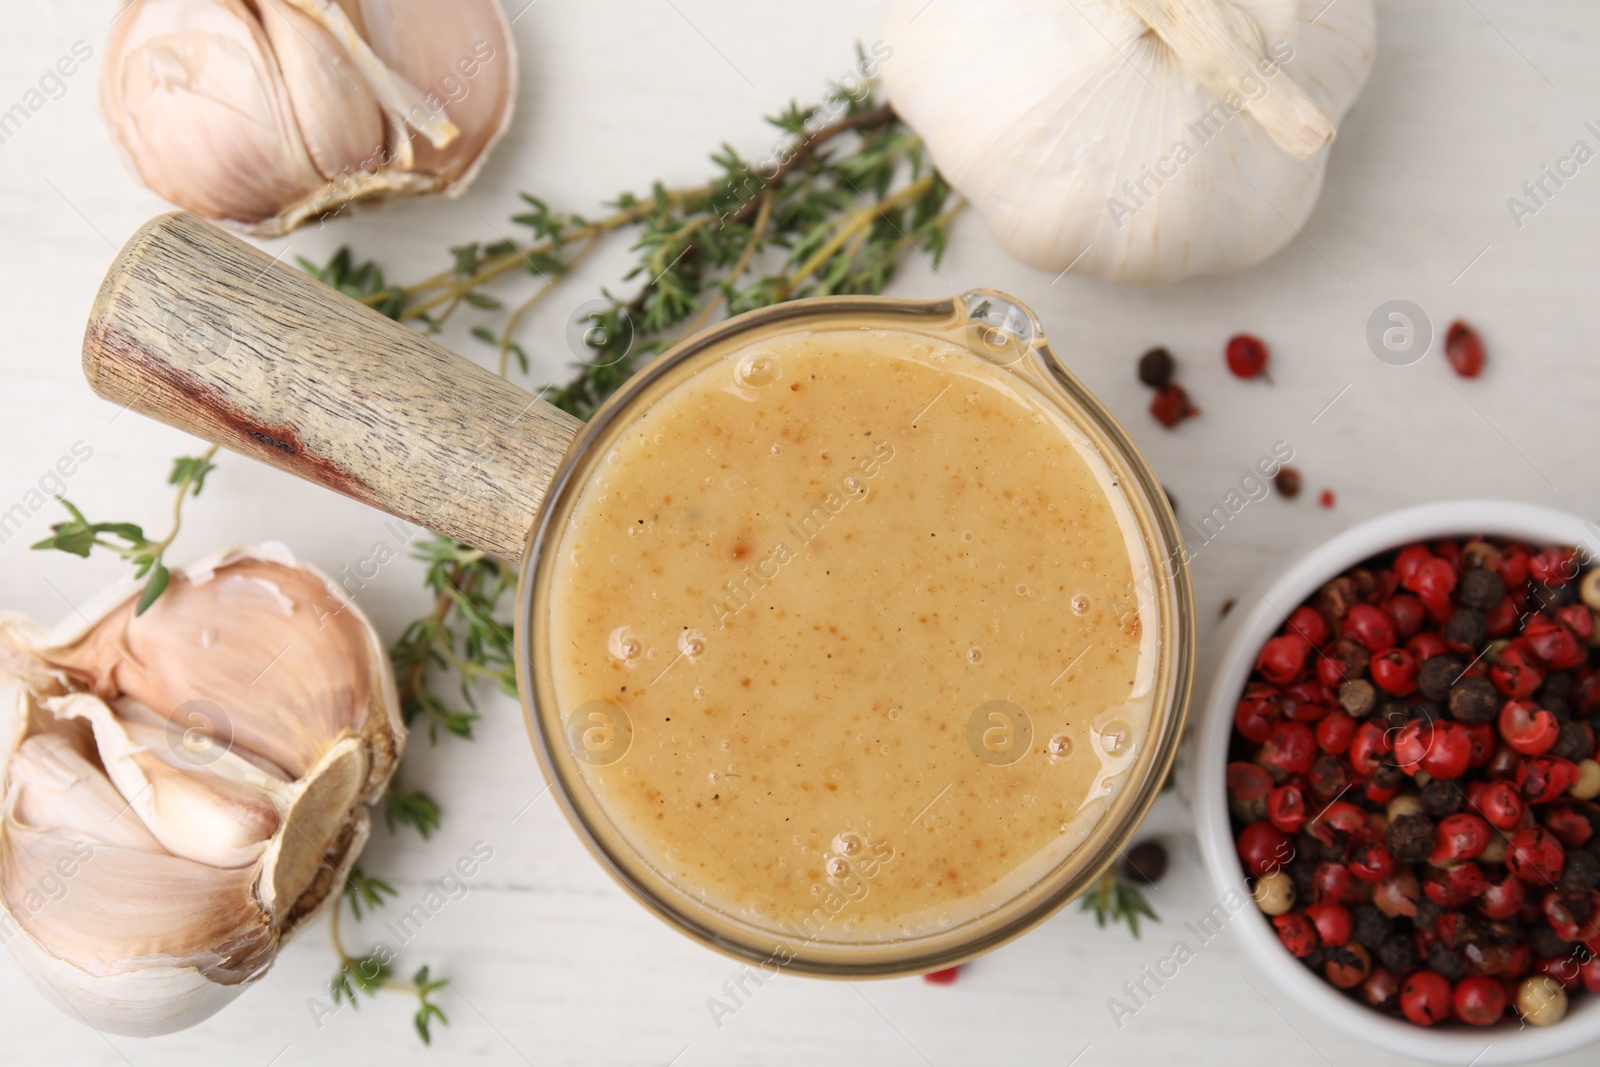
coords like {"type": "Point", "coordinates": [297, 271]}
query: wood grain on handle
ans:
{"type": "Point", "coordinates": [204, 332]}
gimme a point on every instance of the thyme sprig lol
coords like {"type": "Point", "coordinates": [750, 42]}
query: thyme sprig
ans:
{"type": "Point", "coordinates": [1115, 899]}
{"type": "Point", "coordinates": [80, 537]}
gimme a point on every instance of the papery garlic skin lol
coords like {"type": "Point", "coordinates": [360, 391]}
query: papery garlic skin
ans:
{"type": "Point", "coordinates": [270, 113]}
{"type": "Point", "coordinates": [1099, 135]}
{"type": "Point", "coordinates": [152, 858]}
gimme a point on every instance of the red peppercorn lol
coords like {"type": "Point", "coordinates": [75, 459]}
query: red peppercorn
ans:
{"type": "Point", "coordinates": [1517, 672]}
{"type": "Point", "coordinates": [1291, 748]}
{"type": "Point", "coordinates": [1171, 405]}
{"type": "Point", "coordinates": [1309, 623]}
{"type": "Point", "coordinates": [1257, 714]}
{"type": "Point", "coordinates": [1341, 818]}
{"type": "Point", "coordinates": [1456, 886]}
{"type": "Point", "coordinates": [1577, 618]}
{"type": "Point", "coordinates": [1411, 745]}
{"type": "Point", "coordinates": [1264, 848]}
{"type": "Point", "coordinates": [1335, 732]}
{"type": "Point", "coordinates": [1483, 739]}
{"type": "Point", "coordinates": [1381, 989]}
{"type": "Point", "coordinates": [1520, 963]}
{"type": "Point", "coordinates": [1464, 349]}
{"type": "Point", "coordinates": [1370, 860]}
{"type": "Point", "coordinates": [1563, 969]}
{"type": "Point", "coordinates": [1283, 659]}
{"type": "Point", "coordinates": [1308, 701]}
{"type": "Point", "coordinates": [1426, 997]}
{"type": "Point", "coordinates": [1331, 883]}
{"type": "Point", "coordinates": [1407, 560]}
{"type": "Point", "coordinates": [1408, 615]}
{"type": "Point", "coordinates": [1433, 580]}
{"type": "Point", "coordinates": [1503, 899]}
{"type": "Point", "coordinates": [1501, 805]}
{"type": "Point", "coordinates": [1395, 672]}
{"type": "Point", "coordinates": [1527, 727]}
{"type": "Point", "coordinates": [1369, 626]}
{"type": "Point", "coordinates": [1296, 932]}
{"type": "Point", "coordinates": [1553, 566]}
{"type": "Point", "coordinates": [1536, 856]}
{"type": "Point", "coordinates": [1459, 837]}
{"type": "Point", "coordinates": [1479, 1001]}
{"type": "Point", "coordinates": [1247, 355]}
{"type": "Point", "coordinates": [1590, 973]}
{"type": "Point", "coordinates": [1349, 967]}
{"type": "Point", "coordinates": [1286, 808]}
{"type": "Point", "coordinates": [1555, 645]}
{"type": "Point", "coordinates": [944, 977]}
{"type": "Point", "coordinates": [1332, 922]}
{"type": "Point", "coordinates": [1569, 824]}
{"type": "Point", "coordinates": [1450, 753]}
{"type": "Point", "coordinates": [1546, 778]}
{"type": "Point", "coordinates": [1426, 645]}
{"type": "Point", "coordinates": [1368, 748]}
{"type": "Point", "coordinates": [1582, 924]}
{"type": "Point", "coordinates": [1326, 499]}
{"type": "Point", "coordinates": [1501, 620]}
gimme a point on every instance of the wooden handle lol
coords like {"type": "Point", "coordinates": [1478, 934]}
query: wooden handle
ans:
{"type": "Point", "coordinates": [209, 334]}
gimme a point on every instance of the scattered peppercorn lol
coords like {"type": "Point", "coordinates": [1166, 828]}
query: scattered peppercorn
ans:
{"type": "Point", "coordinates": [1287, 481]}
{"type": "Point", "coordinates": [1247, 355]}
{"type": "Point", "coordinates": [944, 977]}
{"type": "Point", "coordinates": [1145, 863]}
{"type": "Point", "coordinates": [1326, 499]}
{"type": "Point", "coordinates": [1227, 606]}
{"type": "Point", "coordinates": [1171, 405]}
{"type": "Point", "coordinates": [1156, 367]}
{"type": "Point", "coordinates": [1464, 349]}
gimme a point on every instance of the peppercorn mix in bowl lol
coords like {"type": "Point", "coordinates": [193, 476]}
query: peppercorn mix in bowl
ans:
{"type": "Point", "coordinates": [1397, 763]}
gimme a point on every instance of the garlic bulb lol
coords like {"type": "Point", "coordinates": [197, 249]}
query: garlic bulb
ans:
{"type": "Point", "coordinates": [269, 113]}
{"type": "Point", "coordinates": [187, 788]}
{"type": "Point", "coordinates": [1132, 140]}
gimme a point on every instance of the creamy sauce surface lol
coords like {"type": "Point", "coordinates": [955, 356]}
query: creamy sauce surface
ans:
{"type": "Point", "coordinates": [866, 605]}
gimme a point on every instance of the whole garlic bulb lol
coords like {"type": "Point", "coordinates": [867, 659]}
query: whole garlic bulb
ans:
{"type": "Point", "coordinates": [1133, 140]}
{"type": "Point", "coordinates": [269, 113]}
{"type": "Point", "coordinates": [187, 788]}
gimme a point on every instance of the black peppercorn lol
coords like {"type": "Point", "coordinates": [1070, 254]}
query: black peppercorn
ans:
{"type": "Point", "coordinates": [1145, 862]}
{"type": "Point", "coordinates": [1398, 952]}
{"type": "Point", "coordinates": [1545, 942]}
{"type": "Point", "coordinates": [1448, 962]}
{"type": "Point", "coordinates": [1581, 873]}
{"type": "Point", "coordinates": [1555, 701]}
{"type": "Point", "coordinates": [1576, 742]}
{"type": "Point", "coordinates": [1475, 700]}
{"type": "Point", "coordinates": [1155, 367]}
{"type": "Point", "coordinates": [1480, 589]}
{"type": "Point", "coordinates": [1427, 710]}
{"type": "Point", "coordinates": [1370, 926]}
{"type": "Point", "coordinates": [1437, 674]}
{"type": "Point", "coordinates": [1394, 713]}
{"type": "Point", "coordinates": [1287, 482]}
{"type": "Point", "coordinates": [1410, 838]}
{"type": "Point", "coordinates": [1441, 798]}
{"type": "Point", "coordinates": [1388, 776]}
{"type": "Point", "coordinates": [1467, 629]}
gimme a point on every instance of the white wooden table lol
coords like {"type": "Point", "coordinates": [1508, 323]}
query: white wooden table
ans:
{"type": "Point", "coordinates": [551, 964]}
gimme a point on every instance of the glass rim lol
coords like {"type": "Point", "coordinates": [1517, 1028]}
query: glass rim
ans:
{"type": "Point", "coordinates": [1127, 809]}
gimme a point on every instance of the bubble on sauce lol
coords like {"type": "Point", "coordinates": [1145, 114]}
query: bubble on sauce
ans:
{"type": "Point", "coordinates": [699, 693]}
{"type": "Point", "coordinates": [1116, 738]}
{"type": "Point", "coordinates": [974, 655]}
{"type": "Point", "coordinates": [758, 371]}
{"type": "Point", "coordinates": [838, 867]}
{"type": "Point", "coordinates": [848, 844]}
{"type": "Point", "coordinates": [966, 535]}
{"type": "Point", "coordinates": [894, 713]}
{"type": "Point", "coordinates": [712, 776]}
{"type": "Point", "coordinates": [1059, 747]}
{"type": "Point", "coordinates": [1023, 590]}
{"type": "Point", "coordinates": [777, 450]}
{"type": "Point", "coordinates": [691, 643]}
{"type": "Point", "coordinates": [623, 645]}
{"type": "Point", "coordinates": [1080, 605]}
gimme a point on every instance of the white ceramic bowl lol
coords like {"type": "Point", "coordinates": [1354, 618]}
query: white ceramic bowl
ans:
{"type": "Point", "coordinates": [1506, 1043]}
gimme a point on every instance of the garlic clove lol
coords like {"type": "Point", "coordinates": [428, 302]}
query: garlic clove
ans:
{"type": "Point", "coordinates": [338, 115]}
{"type": "Point", "coordinates": [195, 98]}
{"type": "Point", "coordinates": [59, 789]}
{"type": "Point", "coordinates": [268, 646]}
{"type": "Point", "coordinates": [194, 814]}
{"type": "Point", "coordinates": [460, 54]}
{"type": "Point", "coordinates": [111, 910]}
